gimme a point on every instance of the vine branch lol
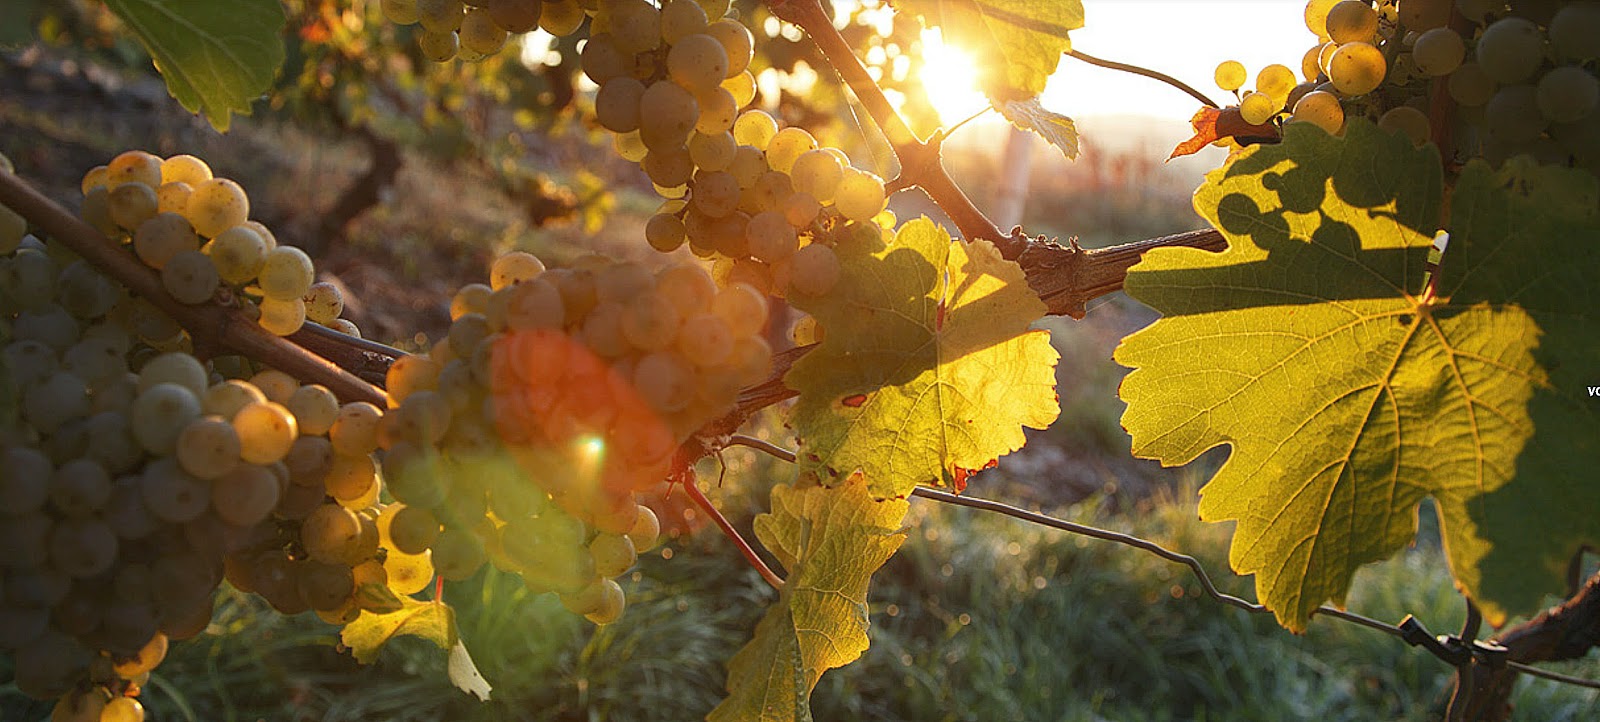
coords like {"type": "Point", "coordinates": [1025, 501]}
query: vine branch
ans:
{"type": "Point", "coordinates": [209, 323]}
{"type": "Point", "coordinates": [700, 500]}
{"type": "Point", "coordinates": [1145, 72]}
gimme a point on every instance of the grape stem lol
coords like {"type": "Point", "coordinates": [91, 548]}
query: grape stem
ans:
{"type": "Point", "coordinates": [762, 445]}
{"type": "Point", "coordinates": [210, 324]}
{"type": "Point", "coordinates": [1146, 72]}
{"type": "Point", "coordinates": [700, 500]}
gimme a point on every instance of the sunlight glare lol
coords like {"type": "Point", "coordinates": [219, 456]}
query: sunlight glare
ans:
{"type": "Point", "coordinates": [950, 78]}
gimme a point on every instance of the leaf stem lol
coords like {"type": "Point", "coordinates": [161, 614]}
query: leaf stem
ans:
{"type": "Point", "coordinates": [762, 445]}
{"type": "Point", "coordinates": [209, 323]}
{"type": "Point", "coordinates": [700, 500]}
{"type": "Point", "coordinates": [1146, 72]}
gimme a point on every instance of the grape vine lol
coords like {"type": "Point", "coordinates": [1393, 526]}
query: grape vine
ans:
{"type": "Point", "coordinates": [182, 405]}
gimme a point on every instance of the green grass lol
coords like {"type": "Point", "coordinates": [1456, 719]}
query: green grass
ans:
{"type": "Point", "coordinates": [979, 617]}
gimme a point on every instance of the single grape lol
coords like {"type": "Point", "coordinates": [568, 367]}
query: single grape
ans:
{"type": "Point", "coordinates": [682, 18]}
{"type": "Point", "coordinates": [667, 113]}
{"type": "Point", "coordinates": [698, 62]}
{"type": "Point", "coordinates": [1316, 16]}
{"type": "Point", "coordinates": [217, 205]}
{"type": "Point", "coordinates": [131, 204]}
{"type": "Point", "coordinates": [1513, 116]}
{"type": "Point", "coordinates": [1574, 29]}
{"type": "Point", "coordinates": [266, 431]}
{"type": "Point", "coordinates": [1510, 50]}
{"type": "Point", "coordinates": [160, 414]}
{"type": "Point", "coordinates": [400, 12]}
{"type": "Point", "coordinates": [1406, 119]}
{"type": "Point", "coordinates": [1423, 15]}
{"type": "Point", "coordinates": [286, 273]}
{"type": "Point", "coordinates": [1351, 21]}
{"type": "Point", "coordinates": [1567, 94]}
{"type": "Point", "coordinates": [190, 277]}
{"type": "Point", "coordinates": [1230, 75]}
{"type": "Point", "coordinates": [440, 47]}
{"type": "Point", "coordinates": [173, 197]}
{"type": "Point", "coordinates": [814, 270]}
{"type": "Point", "coordinates": [324, 302]}
{"type": "Point", "coordinates": [246, 495]}
{"type": "Point", "coordinates": [737, 43]}
{"type": "Point", "coordinates": [480, 33]}
{"type": "Point", "coordinates": [440, 16]}
{"type": "Point", "coordinates": [1438, 52]}
{"type": "Point", "coordinates": [185, 169]}
{"type": "Point", "coordinates": [282, 317]}
{"type": "Point", "coordinates": [515, 16]}
{"type": "Point", "coordinates": [134, 166]}
{"type": "Point", "coordinates": [208, 447]}
{"type": "Point", "coordinates": [860, 195]}
{"type": "Point", "coordinates": [1356, 69]}
{"type": "Point", "coordinates": [1469, 86]}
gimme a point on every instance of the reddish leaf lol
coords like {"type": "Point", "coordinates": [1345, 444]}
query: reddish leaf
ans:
{"type": "Point", "coordinates": [1211, 125]}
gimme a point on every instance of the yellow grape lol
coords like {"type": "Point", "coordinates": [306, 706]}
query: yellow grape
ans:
{"type": "Point", "coordinates": [1321, 109]}
{"type": "Point", "coordinates": [1356, 69]}
{"type": "Point", "coordinates": [1257, 108]}
{"type": "Point", "coordinates": [1230, 75]}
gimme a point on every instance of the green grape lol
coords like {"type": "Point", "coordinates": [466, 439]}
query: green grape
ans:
{"type": "Point", "coordinates": [225, 399]}
{"type": "Point", "coordinates": [613, 554]}
{"type": "Point", "coordinates": [190, 277]}
{"type": "Point", "coordinates": [1316, 16]}
{"type": "Point", "coordinates": [665, 380]}
{"type": "Point", "coordinates": [646, 531]}
{"type": "Point", "coordinates": [1230, 75]}
{"type": "Point", "coordinates": [159, 415]}
{"type": "Point", "coordinates": [1406, 119]}
{"type": "Point", "coordinates": [414, 529]}
{"type": "Point", "coordinates": [173, 197]}
{"type": "Point", "coordinates": [667, 114]}
{"type": "Point", "coordinates": [513, 268]}
{"type": "Point", "coordinates": [1423, 15]}
{"type": "Point", "coordinates": [134, 166]}
{"type": "Point", "coordinates": [649, 323]}
{"type": "Point", "coordinates": [737, 43]}
{"type": "Point", "coordinates": [440, 16]}
{"type": "Point", "coordinates": [266, 431]}
{"type": "Point", "coordinates": [80, 705]}
{"type": "Point", "coordinates": [49, 324]}
{"type": "Point", "coordinates": [400, 12]}
{"type": "Point", "coordinates": [131, 204]}
{"type": "Point", "coordinates": [439, 47]}
{"type": "Point", "coordinates": [1311, 62]}
{"type": "Point", "coordinates": [712, 152]}
{"type": "Point", "coordinates": [184, 169]}
{"type": "Point", "coordinates": [246, 495]}
{"type": "Point", "coordinates": [217, 205]}
{"type": "Point", "coordinates": [1573, 31]}
{"type": "Point", "coordinates": [1356, 69]}
{"type": "Point", "coordinates": [754, 128]}
{"type": "Point", "coordinates": [163, 236]}
{"type": "Point", "coordinates": [718, 111]}
{"type": "Point", "coordinates": [239, 253]}
{"type": "Point", "coordinates": [716, 194]}
{"type": "Point", "coordinates": [282, 317]}
{"type": "Point", "coordinates": [814, 270]}
{"type": "Point", "coordinates": [286, 274]}
{"type": "Point", "coordinates": [1469, 86]}
{"type": "Point", "coordinates": [818, 173]}
{"type": "Point", "coordinates": [480, 33]}
{"type": "Point", "coordinates": [472, 298]}
{"type": "Point", "coordinates": [315, 408]}
{"type": "Point", "coordinates": [860, 195]}
{"type": "Point", "coordinates": [1568, 94]}
{"type": "Point", "coordinates": [331, 534]}
{"type": "Point", "coordinates": [123, 709]}
{"type": "Point", "coordinates": [687, 288]}
{"type": "Point", "coordinates": [743, 88]}
{"type": "Point", "coordinates": [603, 61]}
{"type": "Point", "coordinates": [97, 361]}
{"type": "Point", "coordinates": [1479, 11]}
{"type": "Point", "coordinates": [1512, 115]}
{"type": "Point", "coordinates": [175, 368]}
{"type": "Point", "coordinates": [324, 302]}
{"type": "Point", "coordinates": [669, 166]}
{"type": "Point", "coordinates": [533, 304]}
{"type": "Point", "coordinates": [356, 429]}
{"type": "Point", "coordinates": [618, 103]}
{"type": "Point", "coordinates": [208, 448]}
{"type": "Point", "coordinates": [561, 18]}
{"type": "Point", "coordinates": [350, 477]}
{"type": "Point", "coordinates": [1510, 50]}
{"type": "Point", "coordinates": [1351, 21]}
{"type": "Point", "coordinates": [171, 494]}
{"type": "Point", "coordinates": [97, 211]}
{"type": "Point", "coordinates": [772, 239]}
{"type": "Point", "coordinates": [705, 339]}
{"type": "Point", "coordinates": [515, 16]}
{"type": "Point", "coordinates": [1438, 52]}
{"type": "Point", "coordinates": [682, 18]}
{"type": "Point", "coordinates": [787, 146]}
{"type": "Point", "coordinates": [698, 62]}
{"type": "Point", "coordinates": [457, 554]}
{"type": "Point", "coordinates": [80, 488]}
{"type": "Point", "coordinates": [82, 547]}
{"type": "Point", "coordinates": [611, 604]}
{"type": "Point", "coordinates": [276, 385]}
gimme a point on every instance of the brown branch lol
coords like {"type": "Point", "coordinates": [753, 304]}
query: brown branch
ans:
{"type": "Point", "coordinates": [700, 500]}
{"type": "Point", "coordinates": [919, 160]}
{"type": "Point", "coordinates": [1567, 631]}
{"type": "Point", "coordinates": [210, 324]}
{"type": "Point", "coordinates": [1068, 277]}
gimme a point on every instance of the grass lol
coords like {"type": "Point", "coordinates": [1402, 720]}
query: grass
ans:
{"type": "Point", "coordinates": [979, 617]}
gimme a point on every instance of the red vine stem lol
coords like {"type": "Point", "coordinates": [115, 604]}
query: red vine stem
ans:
{"type": "Point", "coordinates": [700, 500]}
{"type": "Point", "coordinates": [209, 324]}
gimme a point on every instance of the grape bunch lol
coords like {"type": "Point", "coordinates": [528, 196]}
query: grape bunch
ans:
{"type": "Point", "coordinates": [476, 29]}
{"type": "Point", "coordinates": [522, 437]}
{"type": "Point", "coordinates": [195, 230]}
{"type": "Point", "coordinates": [1522, 81]}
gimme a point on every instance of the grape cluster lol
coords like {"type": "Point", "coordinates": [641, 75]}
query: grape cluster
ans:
{"type": "Point", "coordinates": [765, 203]}
{"type": "Point", "coordinates": [1522, 81]}
{"type": "Point", "coordinates": [476, 29]}
{"type": "Point", "coordinates": [521, 438]}
{"type": "Point", "coordinates": [195, 230]}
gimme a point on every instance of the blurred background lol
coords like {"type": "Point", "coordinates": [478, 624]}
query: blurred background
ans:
{"type": "Point", "coordinates": [403, 179]}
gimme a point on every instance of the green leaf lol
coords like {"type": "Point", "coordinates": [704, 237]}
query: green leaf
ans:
{"type": "Point", "coordinates": [830, 541]}
{"type": "Point", "coordinates": [1015, 44]}
{"type": "Point", "coordinates": [215, 56]}
{"type": "Point", "coordinates": [1057, 129]}
{"type": "Point", "coordinates": [1347, 395]}
{"type": "Point", "coordinates": [17, 28]}
{"type": "Point", "coordinates": [928, 370]}
{"type": "Point", "coordinates": [432, 620]}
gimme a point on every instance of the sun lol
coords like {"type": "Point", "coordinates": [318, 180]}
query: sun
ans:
{"type": "Point", "coordinates": [950, 78]}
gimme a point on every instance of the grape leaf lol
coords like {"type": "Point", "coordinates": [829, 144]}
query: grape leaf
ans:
{"type": "Point", "coordinates": [216, 57]}
{"type": "Point", "coordinates": [1348, 395]}
{"type": "Point", "coordinates": [928, 369]}
{"type": "Point", "coordinates": [465, 675]}
{"type": "Point", "coordinates": [432, 620]}
{"type": "Point", "coordinates": [1015, 44]}
{"type": "Point", "coordinates": [830, 541]}
{"type": "Point", "coordinates": [1057, 129]}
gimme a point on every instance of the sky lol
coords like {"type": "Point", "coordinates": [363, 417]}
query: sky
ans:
{"type": "Point", "coordinates": [1185, 39]}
